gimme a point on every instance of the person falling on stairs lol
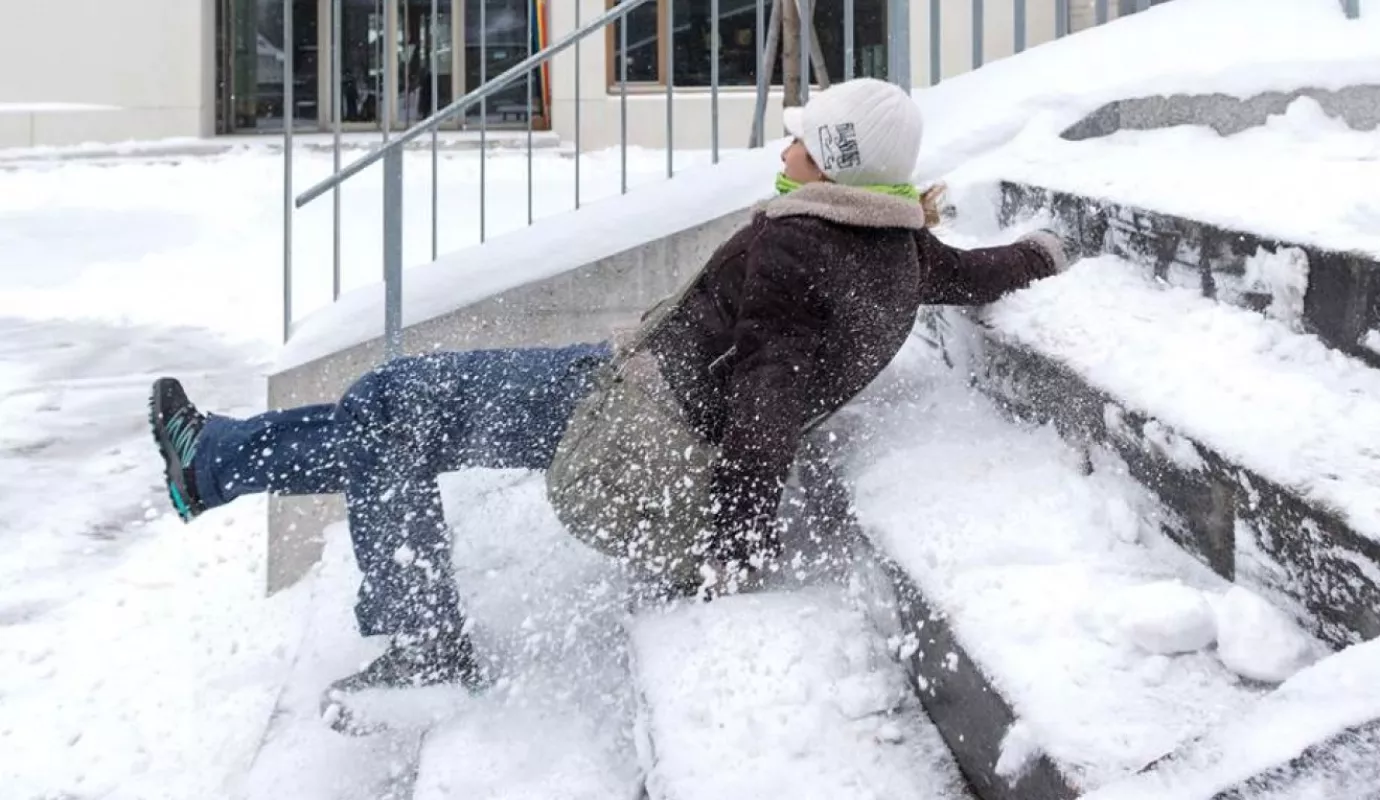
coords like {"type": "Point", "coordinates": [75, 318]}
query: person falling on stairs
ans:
{"type": "Point", "coordinates": [666, 448]}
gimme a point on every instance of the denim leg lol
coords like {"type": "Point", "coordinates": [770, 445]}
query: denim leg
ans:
{"type": "Point", "coordinates": [409, 421]}
{"type": "Point", "coordinates": [286, 452]}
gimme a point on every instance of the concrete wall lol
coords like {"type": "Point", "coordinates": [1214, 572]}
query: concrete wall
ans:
{"type": "Point", "coordinates": [582, 305]}
{"type": "Point", "coordinates": [151, 61]}
{"type": "Point", "coordinates": [600, 108]}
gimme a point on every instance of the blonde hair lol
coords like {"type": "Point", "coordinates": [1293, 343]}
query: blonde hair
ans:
{"type": "Point", "coordinates": [932, 202]}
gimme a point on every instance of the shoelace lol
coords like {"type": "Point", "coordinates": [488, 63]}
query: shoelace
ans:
{"type": "Point", "coordinates": [184, 435]}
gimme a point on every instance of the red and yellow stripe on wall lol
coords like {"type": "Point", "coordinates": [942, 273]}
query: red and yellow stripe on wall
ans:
{"type": "Point", "coordinates": [541, 38]}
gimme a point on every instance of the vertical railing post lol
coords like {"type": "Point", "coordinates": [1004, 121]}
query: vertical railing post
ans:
{"type": "Point", "coordinates": [805, 13]}
{"type": "Point", "coordinates": [1061, 18]}
{"type": "Point", "coordinates": [392, 251]}
{"type": "Point", "coordinates": [578, 152]}
{"type": "Point", "coordinates": [288, 101]}
{"type": "Point", "coordinates": [1019, 33]}
{"type": "Point", "coordinates": [936, 64]}
{"type": "Point", "coordinates": [849, 70]}
{"type": "Point", "coordinates": [714, 80]}
{"type": "Point", "coordinates": [623, 102]}
{"type": "Point", "coordinates": [898, 42]}
{"type": "Point", "coordinates": [435, 135]}
{"type": "Point", "coordinates": [670, 77]}
{"type": "Point", "coordinates": [766, 63]}
{"type": "Point", "coordinates": [483, 119]}
{"type": "Point", "coordinates": [531, 32]}
{"type": "Point", "coordinates": [979, 28]}
{"type": "Point", "coordinates": [337, 120]}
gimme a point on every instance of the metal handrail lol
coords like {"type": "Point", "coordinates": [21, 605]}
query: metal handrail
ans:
{"type": "Point", "coordinates": [457, 107]}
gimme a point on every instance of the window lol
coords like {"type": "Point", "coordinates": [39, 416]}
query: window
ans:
{"type": "Point", "coordinates": [644, 44]}
{"type": "Point", "coordinates": [647, 53]}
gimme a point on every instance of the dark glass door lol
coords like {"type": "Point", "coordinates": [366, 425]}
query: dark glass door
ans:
{"type": "Point", "coordinates": [419, 37]}
{"type": "Point", "coordinates": [363, 40]}
{"type": "Point", "coordinates": [254, 61]}
{"type": "Point", "coordinates": [503, 41]}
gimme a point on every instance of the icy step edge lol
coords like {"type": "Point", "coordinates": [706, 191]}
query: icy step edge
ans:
{"type": "Point", "coordinates": [970, 712]}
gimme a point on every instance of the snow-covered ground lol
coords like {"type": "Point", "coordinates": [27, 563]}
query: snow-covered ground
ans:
{"type": "Point", "coordinates": [197, 241]}
{"type": "Point", "coordinates": [138, 656]}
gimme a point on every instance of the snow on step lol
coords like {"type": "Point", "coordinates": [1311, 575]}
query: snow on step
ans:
{"type": "Point", "coordinates": [1280, 403]}
{"type": "Point", "coordinates": [1240, 182]}
{"type": "Point", "coordinates": [1335, 694]}
{"type": "Point", "coordinates": [549, 610]}
{"type": "Point", "coordinates": [1052, 581]}
{"type": "Point", "coordinates": [781, 695]}
{"type": "Point", "coordinates": [300, 756]}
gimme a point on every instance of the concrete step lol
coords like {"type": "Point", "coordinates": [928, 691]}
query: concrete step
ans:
{"type": "Point", "coordinates": [1259, 439]}
{"type": "Point", "coordinates": [1057, 641]}
{"type": "Point", "coordinates": [1333, 291]}
{"type": "Point", "coordinates": [783, 694]}
{"type": "Point", "coordinates": [1317, 735]}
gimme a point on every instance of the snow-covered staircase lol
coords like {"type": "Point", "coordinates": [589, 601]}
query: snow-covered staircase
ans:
{"type": "Point", "coordinates": [1054, 638]}
{"type": "Point", "coordinates": [1259, 430]}
{"type": "Point", "coordinates": [1086, 598]}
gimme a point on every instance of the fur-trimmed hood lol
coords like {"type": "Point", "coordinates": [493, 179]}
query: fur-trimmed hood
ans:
{"type": "Point", "coordinates": [846, 205]}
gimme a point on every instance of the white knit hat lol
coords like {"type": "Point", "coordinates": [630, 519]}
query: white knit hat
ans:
{"type": "Point", "coordinates": [860, 132]}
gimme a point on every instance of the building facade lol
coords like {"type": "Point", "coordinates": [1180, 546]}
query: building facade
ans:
{"type": "Point", "coordinates": [154, 69]}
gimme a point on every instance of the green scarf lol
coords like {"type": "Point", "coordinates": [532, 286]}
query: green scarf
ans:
{"type": "Point", "coordinates": [908, 191]}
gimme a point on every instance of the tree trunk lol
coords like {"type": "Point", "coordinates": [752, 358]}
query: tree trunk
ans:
{"type": "Point", "coordinates": [790, 53]}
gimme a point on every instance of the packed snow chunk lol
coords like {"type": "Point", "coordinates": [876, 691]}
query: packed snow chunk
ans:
{"type": "Point", "coordinates": [1258, 641]}
{"type": "Point", "coordinates": [780, 695]}
{"type": "Point", "coordinates": [1283, 276]}
{"type": "Point", "coordinates": [1167, 617]}
{"type": "Point", "coordinates": [1019, 749]}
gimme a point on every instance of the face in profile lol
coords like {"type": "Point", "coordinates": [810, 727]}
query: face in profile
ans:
{"type": "Point", "coordinates": [798, 165]}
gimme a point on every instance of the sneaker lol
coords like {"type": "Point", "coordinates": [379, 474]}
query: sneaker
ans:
{"type": "Point", "coordinates": [409, 662]}
{"type": "Point", "coordinates": [177, 426]}
{"type": "Point", "coordinates": [413, 660]}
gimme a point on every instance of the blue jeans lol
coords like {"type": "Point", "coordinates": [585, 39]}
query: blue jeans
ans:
{"type": "Point", "coordinates": [384, 444]}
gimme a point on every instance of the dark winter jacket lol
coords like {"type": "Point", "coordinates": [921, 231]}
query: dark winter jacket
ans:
{"type": "Point", "coordinates": [797, 313]}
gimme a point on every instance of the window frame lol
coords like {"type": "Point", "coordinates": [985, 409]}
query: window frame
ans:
{"type": "Point", "coordinates": [611, 52]}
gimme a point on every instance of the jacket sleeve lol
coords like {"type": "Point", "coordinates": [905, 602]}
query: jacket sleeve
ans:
{"type": "Point", "coordinates": [978, 277]}
{"type": "Point", "coordinates": [775, 340]}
